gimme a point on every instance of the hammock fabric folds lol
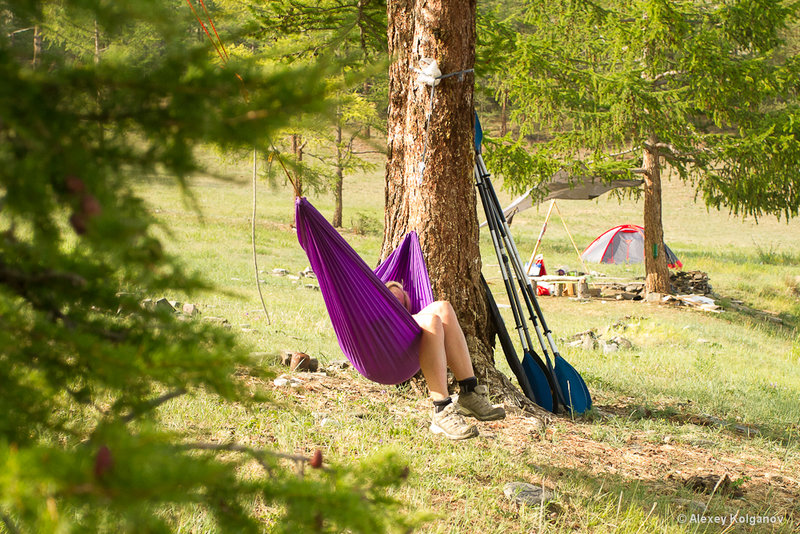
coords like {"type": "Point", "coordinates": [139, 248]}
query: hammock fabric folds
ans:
{"type": "Point", "coordinates": [375, 331]}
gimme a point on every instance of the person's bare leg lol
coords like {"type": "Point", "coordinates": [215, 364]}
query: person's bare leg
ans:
{"type": "Point", "coordinates": [455, 344]}
{"type": "Point", "coordinates": [472, 399]}
{"type": "Point", "coordinates": [432, 359]}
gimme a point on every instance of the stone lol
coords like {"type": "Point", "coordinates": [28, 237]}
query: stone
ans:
{"type": "Point", "coordinates": [583, 290]}
{"type": "Point", "coordinates": [608, 348]}
{"type": "Point", "coordinates": [280, 272]}
{"type": "Point", "coordinates": [285, 380]}
{"type": "Point", "coordinates": [338, 365]}
{"type": "Point", "coordinates": [163, 304]}
{"type": "Point", "coordinates": [527, 494]}
{"type": "Point", "coordinates": [622, 342]}
{"type": "Point", "coordinates": [190, 309]}
{"type": "Point", "coordinates": [653, 296]}
{"type": "Point", "coordinates": [217, 320]}
{"type": "Point", "coordinates": [588, 341]}
{"type": "Point", "coordinates": [710, 484]}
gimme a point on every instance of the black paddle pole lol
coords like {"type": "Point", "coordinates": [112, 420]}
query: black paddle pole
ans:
{"type": "Point", "coordinates": [566, 377]}
{"type": "Point", "coordinates": [507, 344]}
{"type": "Point", "coordinates": [516, 305]}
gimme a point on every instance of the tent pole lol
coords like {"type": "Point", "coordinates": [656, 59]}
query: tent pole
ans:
{"type": "Point", "coordinates": [564, 222]}
{"type": "Point", "coordinates": [541, 235]}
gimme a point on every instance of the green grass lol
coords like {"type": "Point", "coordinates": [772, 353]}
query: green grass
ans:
{"type": "Point", "coordinates": [618, 469]}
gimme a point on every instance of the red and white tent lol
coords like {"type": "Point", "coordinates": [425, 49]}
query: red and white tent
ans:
{"type": "Point", "coordinates": [623, 244]}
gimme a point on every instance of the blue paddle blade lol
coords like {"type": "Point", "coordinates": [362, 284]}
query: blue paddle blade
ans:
{"type": "Point", "coordinates": [538, 381]}
{"type": "Point", "coordinates": [478, 134]}
{"type": "Point", "coordinates": [576, 394]}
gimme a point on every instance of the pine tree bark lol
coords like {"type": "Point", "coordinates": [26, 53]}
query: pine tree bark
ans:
{"type": "Point", "coordinates": [655, 258]}
{"type": "Point", "coordinates": [297, 149]}
{"type": "Point", "coordinates": [339, 180]}
{"type": "Point", "coordinates": [37, 46]}
{"type": "Point", "coordinates": [439, 204]}
{"type": "Point", "coordinates": [504, 114]}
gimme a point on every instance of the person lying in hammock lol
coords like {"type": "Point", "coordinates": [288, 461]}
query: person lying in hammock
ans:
{"type": "Point", "coordinates": [443, 345]}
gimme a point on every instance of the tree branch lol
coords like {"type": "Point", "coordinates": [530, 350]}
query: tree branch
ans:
{"type": "Point", "coordinates": [10, 526]}
{"type": "Point", "coordinates": [155, 403]}
{"type": "Point", "coordinates": [19, 31]}
{"type": "Point", "coordinates": [617, 154]}
{"type": "Point", "coordinates": [22, 280]}
{"type": "Point", "coordinates": [666, 74]}
{"type": "Point", "coordinates": [674, 153]}
{"type": "Point", "coordinates": [257, 454]}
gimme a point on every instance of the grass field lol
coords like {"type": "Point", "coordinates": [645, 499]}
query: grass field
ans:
{"type": "Point", "coordinates": [679, 404]}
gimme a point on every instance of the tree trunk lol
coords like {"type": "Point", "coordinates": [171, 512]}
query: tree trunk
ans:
{"type": "Point", "coordinates": [37, 46]}
{"type": "Point", "coordinates": [339, 180]}
{"type": "Point", "coordinates": [504, 114]}
{"type": "Point", "coordinates": [440, 204]}
{"type": "Point", "coordinates": [297, 150]}
{"type": "Point", "coordinates": [655, 258]}
{"type": "Point", "coordinates": [367, 128]}
{"type": "Point", "coordinates": [96, 43]}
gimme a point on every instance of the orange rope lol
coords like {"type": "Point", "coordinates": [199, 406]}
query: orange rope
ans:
{"type": "Point", "coordinates": [277, 156]}
{"type": "Point", "coordinates": [191, 6]}
{"type": "Point", "coordinates": [211, 21]}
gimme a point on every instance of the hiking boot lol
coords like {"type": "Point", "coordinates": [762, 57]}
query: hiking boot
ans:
{"type": "Point", "coordinates": [450, 423]}
{"type": "Point", "coordinates": [477, 405]}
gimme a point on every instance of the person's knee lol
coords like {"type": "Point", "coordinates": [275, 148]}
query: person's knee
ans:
{"type": "Point", "coordinates": [430, 322]}
{"type": "Point", "coordinates": [444, 310]}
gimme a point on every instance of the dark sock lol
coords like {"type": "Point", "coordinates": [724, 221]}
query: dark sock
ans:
{"type": "Point", "coordinates": [438, 406]}
{"type": "Point", "coordinates": [468, 385]}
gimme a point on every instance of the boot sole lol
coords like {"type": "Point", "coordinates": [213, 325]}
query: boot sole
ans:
{"type": "Point", "coordinates": [436, 429]}
{"type": "Point", "coordinates": [466, 411]}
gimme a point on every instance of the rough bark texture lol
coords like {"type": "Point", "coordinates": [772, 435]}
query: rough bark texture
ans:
{"type": "Point", "coordinates": [339, 180]}
{"type": "Point", "coordinates": [441, 204]}
{"type": "Point", "coordinates": [504, 114]}
{"type": "Point", "coordinates": [297, 149]}
{"type": "Point", "coordinates": [656, 272]}
{"type": "Point", "coordinates": [37, 46]}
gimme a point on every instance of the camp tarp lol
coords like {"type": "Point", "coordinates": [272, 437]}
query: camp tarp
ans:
{"type": "Point", "coordinates": [623, 244]}
{"type": "Point", "coordinates": [560, 186]}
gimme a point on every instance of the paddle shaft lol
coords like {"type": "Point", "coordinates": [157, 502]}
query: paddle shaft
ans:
{"type": "Point", "coordinates": [528, 293]}
{"type": "Point", "coordinates": [507, 273]}
{"type": "Point", "coordinates": [508, 346]}
{"type": "Point", "coordinates": [516, 307]}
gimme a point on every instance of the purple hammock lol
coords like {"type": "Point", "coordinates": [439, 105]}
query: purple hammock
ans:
{"type": "Point", "coordinates": [375, 331]}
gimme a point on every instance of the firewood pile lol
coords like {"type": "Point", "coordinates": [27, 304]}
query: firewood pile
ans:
{"type": "Point", "coordinates": [689, 283]}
